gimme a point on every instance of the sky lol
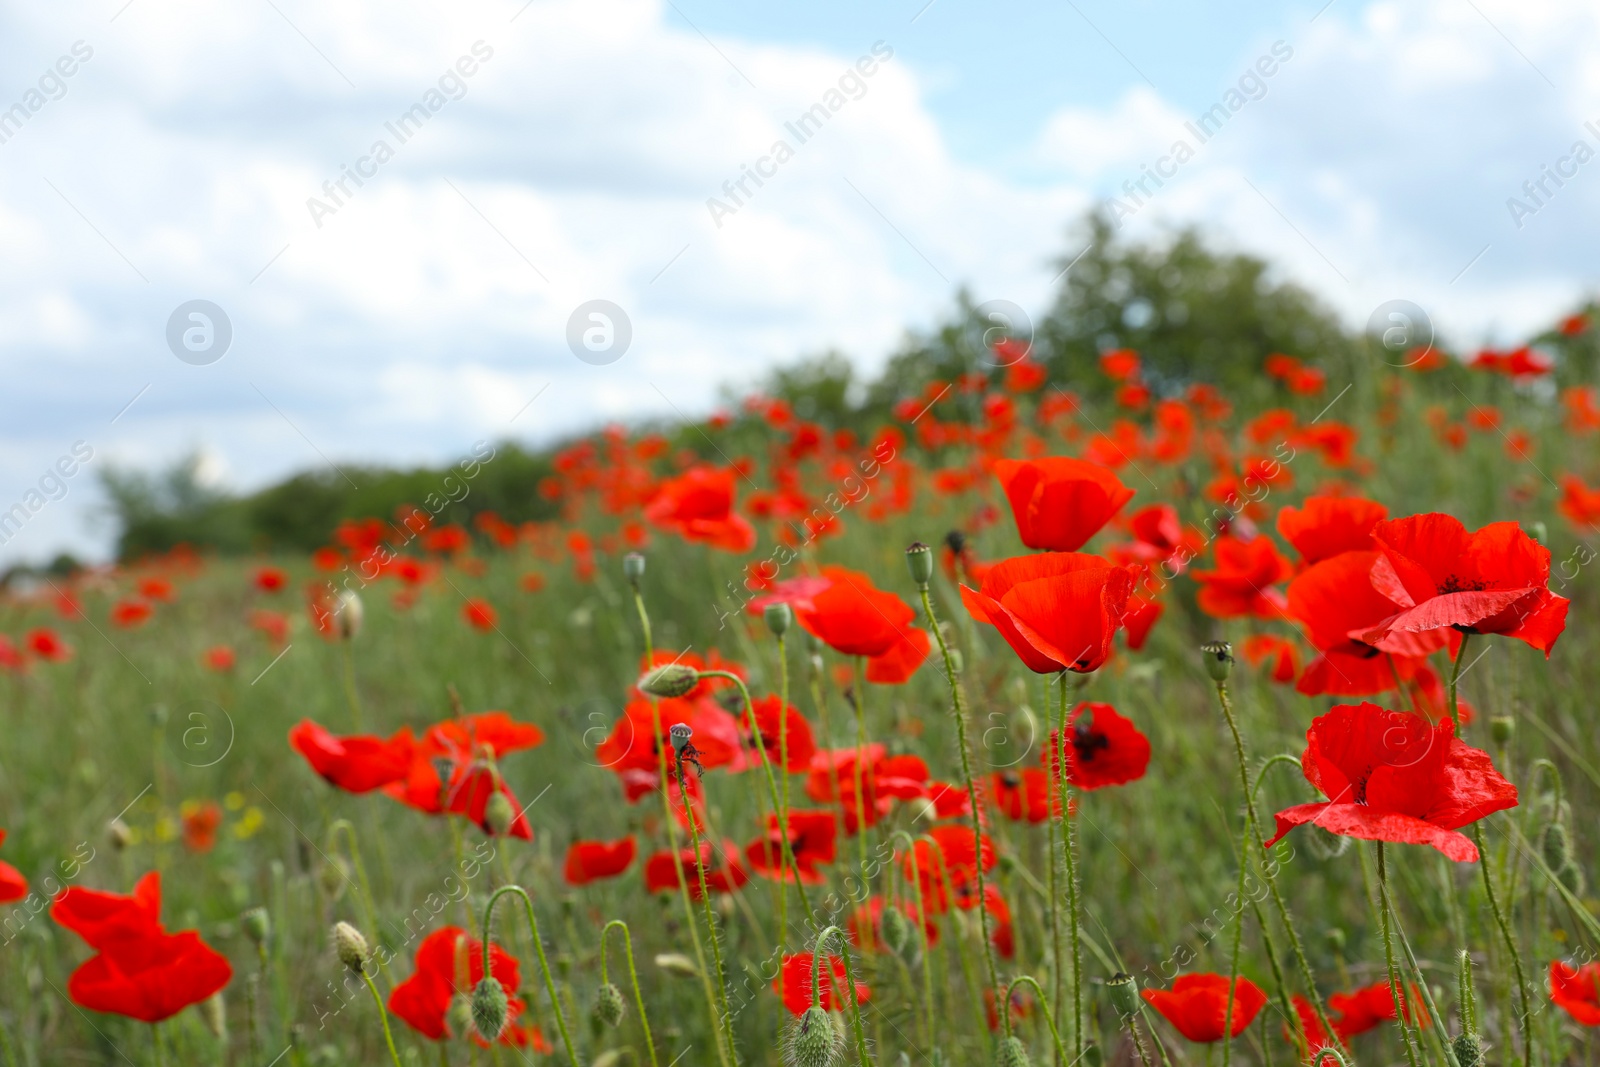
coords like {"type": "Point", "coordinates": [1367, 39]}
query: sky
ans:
{"type": "Point", "coordinates": [399, 215]}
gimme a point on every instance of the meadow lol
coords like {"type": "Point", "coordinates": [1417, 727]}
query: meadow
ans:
{"type": "Point", "coordinates": [293, 742]}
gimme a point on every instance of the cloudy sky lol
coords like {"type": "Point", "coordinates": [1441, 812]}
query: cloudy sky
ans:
{"type": "Point", "coordinates": [564, 151]}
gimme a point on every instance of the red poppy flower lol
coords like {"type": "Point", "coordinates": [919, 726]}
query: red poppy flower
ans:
{"type": "Point", "coordinates": [883, 780]}
{"type": "Point", "coordinates": [357, 764]}
{"type": "Point", "coordinates": [495, 731]}
{"type": "Point", "coordinates": [853, 617]}
{"type": "Point", "coordinates": [1120, 365]}
{"type": "Point", "coordinates": [156, 589]}
{"type": "Point", "coordinates": [1316, 1037]}
{"type": "Point", "coordinates": [953, 853]}
{"type": "Point", "coordinates": [1325, 526]}
{"type": "Point", "coordinates": [1140, 617]}
{"type": "Point", "coordinates": [775, 731]}
{"type": "Point", "coordinates": [1370, 1006]}
{"type": "Point", "coordinates": [130, 613]}
{"type": "Point", "coordinates": [200, 822]}
{"type": "Point", "coordinates": [712, 661]}
{"type": "Point", "coordinates": [1395, 776]}
{"type": "Point", "coordinates": [1057, 610]}
{"type": "Point", "coordinates": [1576, 991]}
{"type": "Point", "coordinates": [471, 782]}
{"type": "Point", "coordinates": [948, 801]}
{"type": "Point", "coordinates": [479, 614]}
{"type": "Point", "coordinates": [48, 645]}
{"type": "Point", "coordinates": [698, 506]}
{"type": "Point", "coordinates": [1492, 581]}
{"type": "Point", "coordinates": [590, 861]}
{"type": "Point", "coordinates": [896, 666]}
{"type": "Point", "coordinates": [220, 658]}
{"type": "Point", "coordinates": [1197, 1005]}
{"type": "Point", "coordinates": [866, 922]}
{"type": "Point", "coordinates": [1284, 658]}
{"type": "Point", "coordinates": [793, 984]}
{"type": "Point", "coordinates": [449, 963]}
{"type": "Point", "coordinates": [270, 579]}
{"type": "Point", "coordinates": [1022, 794]}
{"type": "Point", "coordinates": [813, 838]}
{"type": "Point", "coordinates": [140, 971]}
{"type": "Point", "coordinates": [1060, 503]}
{"type": "Point", "coordinates": [632, 744]}
{"type": "Point", "coordinates": [661, 870]}
{"type": "Point", "coordinates": [1242, 581]}
{"type": "Point", "coordinates": [1103, 749]}
{"type": "Point", "coordinates": [13, 886]}
{"type": "Point", "coordinates": [272, 624]}
{"type": "Point", "coordinates": [1336, 602]}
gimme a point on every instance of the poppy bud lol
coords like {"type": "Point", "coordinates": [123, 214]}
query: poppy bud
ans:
{"type": "Point", "coordinates": [679, 735]}
{"type": "Point", "coordinates": [1218, 656]}
{"type": "Point", "coordinates": [1468, 1049]}
{"type": "Point", "coordinates": [956, 540]}
{"type": "Point", "coordinates": [813, 1041]}
{"type": "Point", "coordinates": [1538, 531]}
{"type": "Point", "coordinates": [350, 946]}
{"type": "Point", "coordinates": [611, 1057]}
{"type": "Point", "coordinates": [1012, 1053]}
{"type": "Point", "coordinates": [1571, 876]}
{"type": "Point", "coordinates": [347, 614]}
{"type": "Point", "coordinates": [956, 663]}
{"type": "Point", "coordinates": [215, 1013]}
{"type": "Point", "coordinates": [677, 963]}
{"type": "Point", "coordinates": [779, 617]}
{"type": "Point", "coordinates": [489, 1008]}
{"type": "Point", "coordinates": [120, 834]}
{"type": "Point", "coordinates": [633, 568]}
{"type": "Point", "coordinates": [1555, 846]}
{"type": "Point", "coordinates": [498, 814]}
{"type": "Point", "coordinates": [896, 930]}
{"type": "Point", "coordinates": [257, 925]}
{"type": "Point", "coordinates": [158, 716]}
{"type": "Point", "coordinates": [608, 1004]}
{"type": "Point", "coordinates": [458, 1017]}
{"type": "Point", "coordinates": [1092, 1056]}
{"type": "Point", "coordinates": [669, 680]}
{"type": "Point", "coordinates": [1501, 729]}
{"type": "Point", "coordinates": [919, 558]}
{"type": "Point", "coordinates": [1124, 992]}
{"type": "Point", "coordinates": [335, 876]}
{"type": "Point", "coordinates": [1334, 936]}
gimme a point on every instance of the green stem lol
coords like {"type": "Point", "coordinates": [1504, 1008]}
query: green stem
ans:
{"type": "Point", "coordinates": [959, 711]}
{"type": "Point", "coordinates": [1233, 954]}
{"type": "Point", "coordinates": [1510, 942]}
{"type": "Point", "coordinates": [783, 809]}
{"type": "Point", "coordinates": [1388, 958]}
{"type": "Point", "coordinates": [383, 1013]}
{"type": "Point", "coordinates": [725, 1015]}
{"type": "Point", "coordinates": [1455, 673]}
{"type": "Point", "coordinates": [922, 929]}
{"type": "Point", "coordinates": [350, 692]}
{"type": "Point", "coordinates": [850, 981]}
{"type": "Point", "coordinates": [1074, 935]}
{"type": "Point", "coordinates": [544, 964]}
{"type": "Point", "coordinates": [1044, 1006]}
{"type": "Point", "coordinates": [367, 900]}
{"type": "Point", "coordinates": [860, 764]}
{"type": "Point", "coordinates": [633, 975]}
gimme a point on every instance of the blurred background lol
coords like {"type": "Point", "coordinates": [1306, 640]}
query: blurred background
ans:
{"type": "Point", "coordinates": [259, 260]}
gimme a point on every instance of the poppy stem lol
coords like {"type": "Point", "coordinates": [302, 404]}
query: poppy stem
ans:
{"type": "Point", "coordinates": [724, 1013]}
{"type": "Point", "coordinates": [1233, 953]}
{"type": "Point", "coordinates": [1510, 941]}
{"type": "Point", "coordinates": [544, 964]}
{"type": "Point", "coordinates": [783, 761]}
{"type": "Point", "coordinates": [850, 980]}
{"type": "Point", "coordinates": [350, 684]}
{"type": "Point", "coordinates": [633, 975]}
{"type": "Point", "coordinates": [367, 900]}
{"type": "Point", "coordinates": [861, 759]}
{"type": "Point", "coordinates": [383, 1014]}
{"type": "Point", "coordinates": [958, 710]}
{"type": "Point", "coordinates": [922, 928]}
{"type": "Point", "coordinates": [1049, 1016]}
{"type": "Point", "coordinates": [1388, 958]}
{"type": "Point", "coordinates": [1073, 931]}
{"type": "Point", "coordinates": [1253, 846]}
{"type": "Point", "coordinates": [1455, 673]}
{"type": "Point", "coordinates": [780, 804]}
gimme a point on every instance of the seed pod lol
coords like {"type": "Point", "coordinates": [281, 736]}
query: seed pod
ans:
{"type": "Point", "coordinates": [1554, 846]}
{"type": "Point", "coordinates": [679, 734]}
{"type": "Point", "coordinates": [1012, 1053]}
{"type": "Point", "coordinates": [1124, 992]}
{"type": "Point", "coordinates": [1334, 936]}
{"type": "Point", "coordinates": [896, 930]}
{"type": "Point", "coordinates": [919, 560]}
{"type": "Point", "coordinates": [119, 833]}
{"type": "Point", "coordinates": [1468, 1049]}
{"type": "Point", "coordinates": [489, 1008]}
{"type": "Point", "coordinates": [633, 568]}
{"type": "Point", "coordinates": [335, 876]}
{"type": "Point", "coordinates": [1571, 876]}
{"type": "Point", "coordinates": [608, 1004]}
{"type": "Point", "coordinates": [1218, 656]}
{"type": "Point", "coordinates": [779, 616]}
{"type": "Point", "coordinates": [669, 680]}
{"type": "Point", "coordinates": [350, 946]}
{"type": "Point", "coordinates": [458, 1017]}
{"type": "Point", "coordinates": [813, 1041]}
{"type": "Point", "coordinates": [499, 814]}
{"type": "Point", "coordinates": [257, 925]}
{"type": "Point", "coordinates": [347, 614]}
{"type": "Point", "coordinates": [1501, 729]}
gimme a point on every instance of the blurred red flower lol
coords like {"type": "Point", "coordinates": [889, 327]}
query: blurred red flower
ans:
{"type": "Point", "coordinates": [479, 614]}
{"type": "Point", "coordinates": [1242, 582]}
{"type": "Point", "coordinates": [776, 731]}
{"type": "Point", "coordinates": [698, 506]}
{"type": "Point", "coordinates": [129, 614]}
{"type": "Point", "coordinates": [1059, 503]}
{"type": "Point", "coordinates": [13, 886]}
{"type": "Point", "coordinates": [1057, 610]}
{"type": "Point", "coordinates": [1576, 990]}
{"type": "Point", "coordinates": [590, 861]}
{"type": "Point", "coordinates": [1197, 1005]}
{"type": "Point", "coordinates": [1395, 776]}
{"type": "Point", "coordinates": [48, 645]}
{"type": "Point", "coordinates": [1103, 748]}
{"type": "Point", "coordinates": [793, 984]}
{"type": "Point", "coordinates": [661, 870]}
{"type": "Point", "coordinates": [1325, 526]}
{"type": "Point", "coordinates": [1284, 657]}
{"type": "Point", "coordinates": [1022, 794]}
{"type": "Point", "coordinates": [201, 820]}
{"type": "Point", "coordinates": [450, 963]}
{"type": "Point", "coordinates": [270, 579]}
{"type": "Point", "coordinates": [156, 589]}
{"type": "Point", "coordinates": [356, 764]}
{"type": "Point", "coordinates": [219, 658]}
{"type": "Point", "coordinates": [813, 839]}
{"type": "Point", "coordinates": [1370, 1006]}
{"type": "Point", "coordinates": [853, 617]}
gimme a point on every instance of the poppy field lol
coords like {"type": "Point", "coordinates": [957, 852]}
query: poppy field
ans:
{"type": "Point", "coordinates": [1124, 721]}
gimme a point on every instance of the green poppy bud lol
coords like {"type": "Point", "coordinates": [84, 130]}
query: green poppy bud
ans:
{"type": "Point", "coordinates": [608, 1004]}
{"type": "Point", "coordinates": [335, 876]}
{"type": "Point", "coordinates": [669, 680]}
{"type": "Point", "coordinates": [1092, 1056]}
{"type": "Point", "coordinates": [813, 1041]}
{"type": "Point", "coordinates": [633, 568]}
{"type": "Point", "coordinates": [257, 925]}
{"type": "Point", "coordinates": [119, 833]}
{"type": "Point", "coordinates": [1218, 657]}
{"type": "Point", "coordinates": [1124, 992]}
{"type": "Point", "coordinates": [1571, 876]}
{"type": "Point", "coordinates": [1468, 1049]}
{"type": "Point", "coordinates": [1538, 531]}
{"type": "Point", "coordinates": [458, 1017]}
{"type": "Point", "coordinates": [897, 931]}
{"type": "Point", "coordinates": [779, 616]}
{"type": "Point", "coordinates": [350, 946]}
{"type": "Point", "coordinates": [919, 558]}
{"type": "Point", "coordinates": [499, 814]}
{"type": "Point", "coordinates": [489, 1008]}
{"type": "Point", "coordinates": [1555, 846]}
{"type": "Point", "coordinates": [1334, 936]}
{"type": "Point", "coordinates": [347, 614]}
{"type": "Point", "coordinates": [1501, 729]}
{"type": "Point", "coordinates": [1012, 1053]}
